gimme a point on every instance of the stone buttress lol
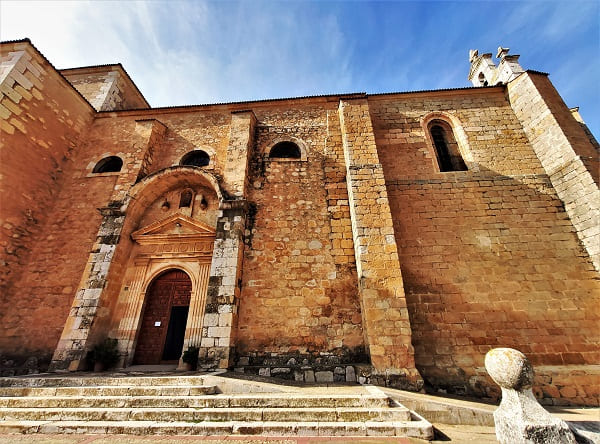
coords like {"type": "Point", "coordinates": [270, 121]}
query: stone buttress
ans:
{"type": "Point", "coordinates": [222, 301]}
{"type": "Point", "coordinates": [386, 322]}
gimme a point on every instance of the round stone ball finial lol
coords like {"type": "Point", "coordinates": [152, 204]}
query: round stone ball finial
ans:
{"type": "Point", "coordinates": [509, 368]}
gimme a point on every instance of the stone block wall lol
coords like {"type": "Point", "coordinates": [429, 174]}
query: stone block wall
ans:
{"type": "Point", "coordinates": [42, 120]}
{"type": "Point", "coordinates": [106, 88]}
{"type": "Point", "coordinates": [299, 289]}
{"type": "Point", "coordinates": [565, 151]}
{"type": "Point", "coordinates": [383, 303]}
{"type": "Point", "coordinates": [489, 256]}
{"type": "Point", "coordinates": [207, 130]}
{"type": "Point", "coordinates": [222, 300]}
{"type": "Point", "coordinates": [492, 136]}
{"type": "Point", "coordinates": [360, 250]}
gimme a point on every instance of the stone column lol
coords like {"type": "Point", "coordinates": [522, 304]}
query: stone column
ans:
{"type": "Point", "coordinates": [385, 315]}
{"type": "Point", "coordinates": [73, 344]}
{"type": "Point", "coordinates": [222, 301]}
{"type": "Point", "coordinates": [193, 330]}
{"type": "Point", "coordinates": [128, 323]}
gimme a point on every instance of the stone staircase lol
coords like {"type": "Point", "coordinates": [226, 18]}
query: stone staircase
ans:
{"type": "Point", "coordinates": [197, 405]}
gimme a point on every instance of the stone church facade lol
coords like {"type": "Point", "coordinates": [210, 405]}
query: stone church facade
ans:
{"type": "Point", "coordinates": [389, 238]}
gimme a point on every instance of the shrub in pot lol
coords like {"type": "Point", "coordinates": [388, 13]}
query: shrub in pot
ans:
{"type": "Point", "coordinates": [104, 355]}
{"type": "Point", "coordinates": [190, 357]}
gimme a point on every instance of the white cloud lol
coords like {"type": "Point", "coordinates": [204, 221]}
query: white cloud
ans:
{"type": "Point", "coordinates": [185, 52]}
{"type": "Point", "coordinates": [192, 52]}
{"type": "Point", "coordinates": [42, 22]}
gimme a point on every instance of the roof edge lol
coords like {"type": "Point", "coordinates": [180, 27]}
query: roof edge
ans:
{"type": "Point", "coordinates": [101, 67]}
{"type": "Point", "coordinates": [533, 71]}
{"type": "Point", "coordinates": [328, 97]}
{"type": "Point", "coordinates": [28, 41]}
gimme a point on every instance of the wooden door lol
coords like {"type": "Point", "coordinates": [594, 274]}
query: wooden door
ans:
{"type": "Point", "coordinates": [163, 322]}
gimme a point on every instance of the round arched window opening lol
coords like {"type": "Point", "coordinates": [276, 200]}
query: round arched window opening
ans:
{"type": "Point", "coordinates": [111, 164]}
{"type": "Point", "coordinates": [285, 150]}
{"type": "Point", "coordinates": [197, 158]}
{"type": "Point", "coordinates": [447, 150]}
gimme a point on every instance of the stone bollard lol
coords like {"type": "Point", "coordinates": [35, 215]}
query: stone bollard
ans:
{"type": "Point", "coordinates": [520, 418]}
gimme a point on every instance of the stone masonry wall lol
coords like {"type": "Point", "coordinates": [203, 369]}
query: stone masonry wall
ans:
{"type": "Point", "coordinates": [383, 301]}
{"type": "Point", "coordinates": [63, 254]}
{"type": "Point", "coordinates": [299, 292]}
{"type": "Point", "coordinates": [223, 294]}
{"type": "Point", "coordinates": [183, 132]}
{"type": "Point", "coordinates": [105, 87]}
{"type": "Point", "coordinates": [145, 145]}
{"type": "Point", "coordinates": [186, 131]}
{"type": "Point", "coordinates": [93, 87]}
{"type": "Point", "coordinates": [42, 119]}
{"type": "Point", "coordinates": [362, 249]}
{"type": "Point", "coordinates": [495, 140]}
{"type": "Point", "coordinates": [565, 151]}
{"type": "Point", "coordinates": [489, 257]}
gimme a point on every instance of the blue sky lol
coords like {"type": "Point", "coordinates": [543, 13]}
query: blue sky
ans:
{"type": "Point", "coordinates": [182, 52]}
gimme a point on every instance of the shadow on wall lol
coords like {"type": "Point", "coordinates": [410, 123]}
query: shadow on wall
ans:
{"type": "Point", "coordinates": [493, 261]}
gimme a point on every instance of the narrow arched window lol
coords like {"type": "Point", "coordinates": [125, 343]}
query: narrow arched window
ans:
{"type": "Point", "coordinates": [185, 200]}
{"type": "Point", "coordinates": [111, 164]}
{"type": "Point", "coordinates": [197, 158]}
{"type": "Point", "coordinates": [446, 148]}
{"type": "Point", "coordinates": [285, 150]}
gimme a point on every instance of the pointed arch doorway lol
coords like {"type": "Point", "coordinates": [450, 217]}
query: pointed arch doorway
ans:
{"type": "Point", "coordinates": [162, 329]}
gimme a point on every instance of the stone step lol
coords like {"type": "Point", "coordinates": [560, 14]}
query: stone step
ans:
{"type": "Point", "coordinates": [276, 400]}
{"type": "Point", "coordinates": [340, 414]}
{"type": "Point", "coordinates": [90, 381]}
{"type": "Point", "coordinates": [418, 429]}
{"type": "Point", "coordinates": [111, 390]}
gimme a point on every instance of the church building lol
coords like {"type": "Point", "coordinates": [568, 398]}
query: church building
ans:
{"type": "Point", "coordinates": [386, 238]}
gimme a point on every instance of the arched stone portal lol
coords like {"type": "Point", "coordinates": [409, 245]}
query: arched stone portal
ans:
{"type": "Point", "coordinates": [109, 299]}
{"type": "Point", "coordinates": [177, 242]}
{"type": "Point", "coordinates": [146, 235]}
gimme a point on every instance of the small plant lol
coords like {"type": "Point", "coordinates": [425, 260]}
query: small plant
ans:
{"type": "Point", "coordinates": [104, 355]}
{"type": "Point", "coordinates": [190, 357]}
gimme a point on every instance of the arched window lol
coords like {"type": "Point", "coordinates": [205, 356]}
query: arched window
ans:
{"type": "Point", "coordinates": [285, 150]}
{"type": "Point", "coordinates": [446, 148]}
{"type": "Point", "coordinates": [197, 158]}
{"type": "Point", "coordinates": [185, 200]}
{"type": "Point", "coordinates": [111, 164]}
